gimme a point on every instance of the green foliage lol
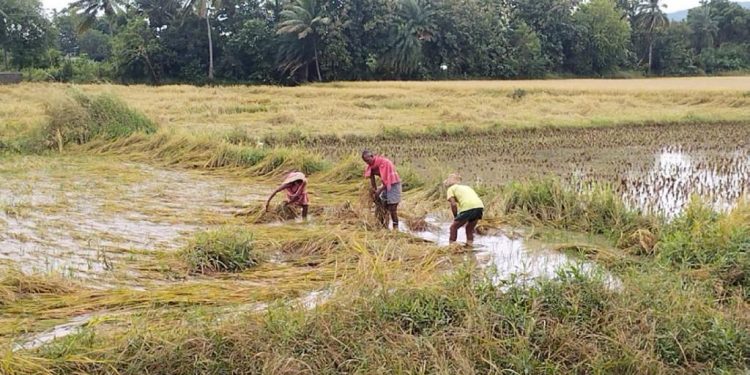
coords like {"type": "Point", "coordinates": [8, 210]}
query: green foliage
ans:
{"type": "Point", "coordinates": [303, 23]}
{"type": "Point", "coordinates": [372, 39]}
{"type": "Point", "coordinates": [25, 34]}
{"type": "Point", "coordinates": [605, 37]}
{"type": "Point", "coordinates": [701, 237]}
{"type": "Point", "coordinates": [421, 311]}
{"type": "Point", "coordinates": [598, 210]}
{"type": "Point", "coordinates": [227, 249]}
{"type": "Point", "coordinates": [414, 27]}
{"type": "Point", "coordinates": [80, 118]}
{"type": "Point", "coordinates": [462, 324]}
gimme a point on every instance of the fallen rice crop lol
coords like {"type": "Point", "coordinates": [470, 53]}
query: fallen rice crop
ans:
{"type": "Point", "coordinates": [256, 293]}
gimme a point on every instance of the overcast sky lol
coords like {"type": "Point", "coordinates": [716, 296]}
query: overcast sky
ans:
{"type": "Point", "coordinates": [672, 5]}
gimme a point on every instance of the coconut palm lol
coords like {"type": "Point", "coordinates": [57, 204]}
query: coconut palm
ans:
{"type": "Point", "coordinates": [703, 26]}
{"type": "Point", "coordinates": [90, 9]}
{"type": "Point", "coordinates": [416, 27]}
{"type": "Point", "coordinates": [651, 18]}
{"type": "Point", "coordinates": [301, 28]}
{"type": "Point", "coordinates": [202, 8]}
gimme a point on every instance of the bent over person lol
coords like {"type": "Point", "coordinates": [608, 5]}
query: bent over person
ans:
{"type": "Point", "coordinates": [466, 206]}
{"type": "Point", "coordinates": [389, 193]}
{"type": "Point", "coordinates": [295, 185]}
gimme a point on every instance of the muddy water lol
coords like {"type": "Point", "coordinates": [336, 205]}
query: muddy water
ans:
{"type": "Point", "coordinates": [91, 224]}
{"type": "Point", "coordinates": [62, 330]}
{"type": "Point", "coordinates": [511, 257]}
{"type": "Point", "coordinates": [677, 175]}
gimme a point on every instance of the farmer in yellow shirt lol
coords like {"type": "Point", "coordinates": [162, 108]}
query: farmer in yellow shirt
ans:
{"type": "Point", "coordinates": [466, 206]}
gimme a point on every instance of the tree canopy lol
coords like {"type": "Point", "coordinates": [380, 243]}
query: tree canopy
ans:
{"type": "Point", "coordinates": [288, 41]}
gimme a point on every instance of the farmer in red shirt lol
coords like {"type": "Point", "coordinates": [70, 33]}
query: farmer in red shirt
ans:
{"type": "Point", "coordinates": [295, 186]}
{"type": "Point", "coordinates": [389, 193]}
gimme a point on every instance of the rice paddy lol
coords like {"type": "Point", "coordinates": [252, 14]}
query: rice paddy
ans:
{"type": "Point", "coordinates": [615, 241]}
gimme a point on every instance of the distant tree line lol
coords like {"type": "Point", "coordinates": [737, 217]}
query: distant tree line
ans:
{"type": "Point", "coordinates": [288, 41]}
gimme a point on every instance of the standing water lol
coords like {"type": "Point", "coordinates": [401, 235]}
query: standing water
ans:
{"type": "Point", "coordinates": [512, 257]}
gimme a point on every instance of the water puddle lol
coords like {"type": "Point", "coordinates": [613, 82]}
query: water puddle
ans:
{"type": "Point", "coordinates": [62, 330]}
{"type": "Point", "coordinates": [511, 257]}
{"type": "Point", "coordinates": [94, 221]}
{"type": "Point", "coordinates": [677, 175]}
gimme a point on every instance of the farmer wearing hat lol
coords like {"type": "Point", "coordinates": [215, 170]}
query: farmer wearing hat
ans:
{"type": "Point", "coordinates": [389, 194]}
{"type": "Point", "coordinates": [466, 206]}
{"type": "Point", "coordinates": [295, 185]}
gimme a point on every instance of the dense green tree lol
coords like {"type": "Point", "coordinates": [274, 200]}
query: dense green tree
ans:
{"type": "Point", "coordinates": [303, 24]}
{"type": "Point", "coordinates": [703, 27]}
{"type": "Point", "coordinates": [25, 36]}
{"type": "Point", "coordinates": [732, 22]}
{"type": "Point", "coordinates": [136, 51]}
{"type": "Point", "coordinates": [552, 22]}
{"type": "Point", "coordinates": [67, 34]}
{"type": "Point", "coordinates": [672, 52]}
{"type": "Point", "coordinates": [471, 40]}
{"type": "Point", "coordinates": [95, 44]}
{"type": "Point", "coordinates": [414, 27]}
{"type": "Point", "coordinates": [249, 52]}
{"type": "Point", "coordinates": [605, 37]}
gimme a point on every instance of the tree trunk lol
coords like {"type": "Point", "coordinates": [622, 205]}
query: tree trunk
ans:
{"type": "Point", "coordinates": [317, 63]}
{"type": "Point", "coordinates": [210, 48]}
{"type": "Point", "coordinates": [650, 55]}
{"type": "Point", "coordinates": [154, 78]}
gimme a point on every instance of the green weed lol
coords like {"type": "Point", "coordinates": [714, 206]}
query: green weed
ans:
{"type": "Point", "coordinates": [222, 250]}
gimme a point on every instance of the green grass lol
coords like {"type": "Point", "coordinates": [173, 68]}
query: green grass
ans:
{"type": "Point", "coordinates": [228, 249]}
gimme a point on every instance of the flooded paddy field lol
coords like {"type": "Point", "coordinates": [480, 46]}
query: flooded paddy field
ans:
{"type": "Point", "coordinates": [152, 253]}
{"type": "Point", "coordinates": [114, 228]}
{"type": "Point", "coordinates": [654, 167]}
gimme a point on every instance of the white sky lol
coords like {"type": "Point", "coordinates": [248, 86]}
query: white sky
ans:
{"type": "Point", "coordinates": [672, 5]}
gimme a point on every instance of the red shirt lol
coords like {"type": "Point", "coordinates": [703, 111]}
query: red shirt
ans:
{"type": "Point", "coordinates": [385, 169]}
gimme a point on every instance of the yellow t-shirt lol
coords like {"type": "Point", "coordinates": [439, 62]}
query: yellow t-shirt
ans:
{"type": "Point", "coordinates": [466, 197]}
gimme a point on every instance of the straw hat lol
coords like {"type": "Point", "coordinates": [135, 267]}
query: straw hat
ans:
{"type": "Point", "coordinates": [294, 176]}
{"type": "Point", "coordinates": [453, 178]}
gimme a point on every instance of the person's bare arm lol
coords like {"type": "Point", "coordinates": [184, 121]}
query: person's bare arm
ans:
{"type": "Point", "coordinates": [454, 206]}
{"type": "Point", "coordinates": [280, 188]}
{"type": "Point", "coordinates": [373, 187]}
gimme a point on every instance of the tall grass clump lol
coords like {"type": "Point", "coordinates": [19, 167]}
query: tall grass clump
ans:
{"type": "Point", "coordinates": [222, 250]}
{"type": "Point", "coordinates": [598, 211]}
{"type": "Point", "coordinates": [349, 169]}
{"type": "Point", "coordinates": [283, 160]}
{"type": "Point", "coordinates": [700, 237]}
{"type": "Point", "coordinates": [79, 118]}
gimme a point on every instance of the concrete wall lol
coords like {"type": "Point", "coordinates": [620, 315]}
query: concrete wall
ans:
{"type": "Point", "coordinates": [10, 78]}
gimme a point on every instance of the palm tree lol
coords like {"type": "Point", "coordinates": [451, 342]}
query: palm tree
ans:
{"type": "Point", "coordinates": [202, 8]}
{"type": "Point", "coordinates": [703, 26]}
{"type": "Point", "coordinates": [416, 27]}
{"type": "Point", "coordinates": [303, 22]}
{"type": "Point", "coordinates": [651, 18]}
{"type": "Point", "coordinates": [89, 9]}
